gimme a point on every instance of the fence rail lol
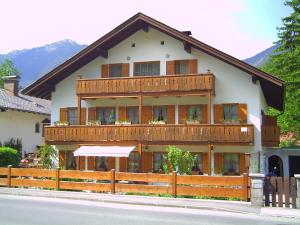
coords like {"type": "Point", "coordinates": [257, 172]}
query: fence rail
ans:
{"type": "Point", "coordinates": [122, 182]}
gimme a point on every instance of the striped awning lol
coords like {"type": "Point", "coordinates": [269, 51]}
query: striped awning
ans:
{"type": "Point", "coordinates": [107, 151]}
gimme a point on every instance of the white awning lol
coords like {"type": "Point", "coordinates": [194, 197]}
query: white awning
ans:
{"type": "Point", "coordinates": [108, 151]}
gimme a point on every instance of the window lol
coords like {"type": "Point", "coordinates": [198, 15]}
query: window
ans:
{"type": "Point", "coordinates": [158, 162]}
{"type": "Point", "coordinates": [195, 113]}
{"type": "Point", "coordinates": [230, 112]}
{"type": "Point", "coordinates": [101, 163]}
{"type": "Point", "coordinates": [160, 113]}
{"type": "Point", "coordinates": [133, 115]}
{"type": "Point", "coordinates": [231, 163]}
{"type": "Point", "coordinates": [181, 67]}
{"type": "Point", "coordinates": [106, 115]}
{"type": "Point", "coordinates": [134, 162]}
{"type": "Point", "coordinates": [115, 70]}
{"type": "Point", "coordinates": [71, 161]}
{"type": "Point", "coordinates": [198, 163]}
{"type": "Point", "coordinates": [37, 127]}
{"type": "Point", "coordinates": [72, 116]}
{"type": "Point", "coordinates": [146, 68]}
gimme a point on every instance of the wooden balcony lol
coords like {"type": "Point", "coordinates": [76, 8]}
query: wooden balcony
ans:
{"type": "Point", "coordinates": [270, 135]}
{"type": "Point", "coordinates": [131, 86]}
{"type": "Point", "coordinates": [151, 134]}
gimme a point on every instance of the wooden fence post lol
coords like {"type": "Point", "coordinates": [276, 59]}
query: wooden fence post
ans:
{"type": "Point", "coordinates": [57, 179]}
{"type": "Point", "coordinates": [245, 185]}
{"type": "Point", "coordinates": [113, 181]}
{"type": "Point", "coordinates": [9, 176]}
{"type": "Point", "coordinates": [174, 184]}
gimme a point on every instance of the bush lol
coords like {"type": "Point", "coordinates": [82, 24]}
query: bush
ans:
{"type": "Point", "coordinates": [48, 155]}
{"type": "Point", "coordinates": [15, 144]}
{"type": "Point", "coordinates": [9, 156]}
{"type": "Point", "coordinates": [179, 161]}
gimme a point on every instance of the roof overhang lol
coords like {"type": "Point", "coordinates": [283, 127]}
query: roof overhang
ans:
{"type": "Point", "coordinates": [273, 88]}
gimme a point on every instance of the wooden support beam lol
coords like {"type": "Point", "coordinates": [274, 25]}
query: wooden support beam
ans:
{"type": "Point", "coordinates": [209, 107]}
{"type": "Point", "coordinates": [254, 79]}
{"type": "Point", "coordinates": [103, 53]}
{"type": "Point", "coordinates": [140, 148]}
{"type": "Point", "coordinates": [209, 159]}
{"type": "Point", "coordinates": [140, 108]}
{"type": "Point", "coordinates": [187, 47]}
{"type": "Point", "coordinates": [79, 110]}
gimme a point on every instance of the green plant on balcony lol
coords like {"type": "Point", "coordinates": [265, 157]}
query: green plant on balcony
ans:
{"type": "Point", "coordinates": [61, 123]}
{"type": "Point", "coordinates": [94, 123]}
{"type": "Point", "coordinates": [192, 121]}
{"type": "Point", "coordinates": [122, 122]}
{"type": "Point", "coordinates": [157, 122]}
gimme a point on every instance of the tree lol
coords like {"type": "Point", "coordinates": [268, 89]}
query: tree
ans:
{"type": "Point", "coordinates": [178, 160]}
{"type": "Point", "coordinates": [48, 155]}
{"type": "Point", "coordinates": [7, 68]}
{"type": "Point", "coordinates": [285, 64]}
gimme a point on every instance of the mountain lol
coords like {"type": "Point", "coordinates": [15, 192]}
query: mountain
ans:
{"type": "Point", "coordinates": [262, 57]}
{"type": "Point", "coordinates": [35, 62]}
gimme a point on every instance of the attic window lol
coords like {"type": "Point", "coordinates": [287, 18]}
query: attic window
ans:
{"type": "Point", "coordinates": [133, 45]}
{"type": "Point", "coordinates": [37, 127]}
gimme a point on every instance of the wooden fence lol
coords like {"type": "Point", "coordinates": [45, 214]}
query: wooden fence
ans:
{"type": "Point", "coordinates": [280, 192]}
{"type": "Point", "coordinates": [122, 182]}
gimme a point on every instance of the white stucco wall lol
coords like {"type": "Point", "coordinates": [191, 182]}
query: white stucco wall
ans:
{"type": "Point", "coordinates": [232, 84]}
{"type": "Point", "coordinates": [14, 124]}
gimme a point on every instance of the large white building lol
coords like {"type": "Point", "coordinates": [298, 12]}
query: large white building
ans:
{"type": "Point", "coordinates": [208, 102]}
{"type": "Point", "coordinates": [22, 117]}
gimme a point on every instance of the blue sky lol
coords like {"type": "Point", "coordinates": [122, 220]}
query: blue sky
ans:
{"type": "Point", "coordinates": [240, 28]}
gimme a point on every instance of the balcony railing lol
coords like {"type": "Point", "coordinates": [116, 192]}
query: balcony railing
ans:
{"type": "Point", "coordinates": [164, 134]}
{"type": "Point", "coordinates": [136, 85]}
{"type": "Point", "coordinates": [270, 135]}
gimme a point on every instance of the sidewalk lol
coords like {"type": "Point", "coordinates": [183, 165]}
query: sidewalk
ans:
{"type": "Point", "coordinates": [219, 205]}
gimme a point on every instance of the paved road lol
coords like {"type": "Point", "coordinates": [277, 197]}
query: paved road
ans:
{"type": "Point", "coordinates": [15, 210]}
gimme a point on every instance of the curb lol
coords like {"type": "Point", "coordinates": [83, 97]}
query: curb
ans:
{"type": "Point", "coordinates": [217, 205]}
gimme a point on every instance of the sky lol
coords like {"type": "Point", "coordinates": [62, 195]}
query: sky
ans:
{"type": "Point", "coordinates": [240, 28]}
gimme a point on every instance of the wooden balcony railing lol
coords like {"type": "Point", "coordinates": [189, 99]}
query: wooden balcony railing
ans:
{"type": "Point", "coordinates": [154, 84]}
{"type": "Point", "coordinates": [159, 134]}
{"type": "Point", "coordinates": [270, 135]}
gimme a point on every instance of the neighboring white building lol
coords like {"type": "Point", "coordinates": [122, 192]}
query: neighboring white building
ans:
{"type": "Point", "coordinates": [143, 46]}
{"type": "Point", "coordinates": [22, 117]}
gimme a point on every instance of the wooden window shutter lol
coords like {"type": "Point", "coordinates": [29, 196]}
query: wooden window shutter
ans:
{"type": "Point", "coordinates": [62, 159]}
{"type": "Point", "coordinates": [193, 66]}
{"type": "Point", "coordinates": [63, 114]}
{"type": "Point", "coordinates": [219, 163]}
{"type": "Point", "coordinates": [146, 164]}
{"type": "Point", "coordinates": [171, 114]}
{"type": "Point", "coordinates": [92, 113]}
{"type": "Point", "coordinates": [242, 163]}
{"type": "Point", "coordinates": [218, 113]}
{"type": "Point", "coordinates": [204, 163]}
{"type": "Point", "coordinates": [91, 163]}
{"type": "Point", "coordinates": [242, 112]}
{"type": "Point", "coordinates": [123, 164]}
{"type": "Point", "coordinates": [204, 114]}
{"type": "Point", "coordinates": [83, 116]}
{"type": "Point", "coordinates": [125, 70]}
{"type": "Point", "coordinates": [81, 162]}
{"type": "Point", "coordinates": [146, 114]}
{"type": "Point", "coordinates": [104, 71]}
{"type": "Point", "coordinates": [182, 113]}
{"type": "Point", "coordinates": [111, 163]}
{"type": "Point", "coordinates": [170, 67]}
{"type": "Point", "coordinates": [122, 113]}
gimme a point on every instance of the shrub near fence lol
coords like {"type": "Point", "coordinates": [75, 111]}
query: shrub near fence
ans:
{"type": "Point", "coordinates": [122, 182]}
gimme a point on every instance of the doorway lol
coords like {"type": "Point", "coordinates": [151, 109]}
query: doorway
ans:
{"type": "Point", "coordinates": [294, 165]}
{"type": "Point", "coordinates": [276, 162]}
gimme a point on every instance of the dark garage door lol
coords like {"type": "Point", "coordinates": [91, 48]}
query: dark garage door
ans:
{"type": "Point", "coordinates": [294, 165]}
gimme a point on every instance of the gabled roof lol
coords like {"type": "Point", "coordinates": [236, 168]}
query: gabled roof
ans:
{"type": "Point", "coordinates": [24, 103]}
{"type": "Point", "coordinates": [273, 88]}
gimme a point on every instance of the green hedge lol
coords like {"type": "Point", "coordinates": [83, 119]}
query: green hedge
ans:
{"type": "Point", "coordinates": [9, 156]}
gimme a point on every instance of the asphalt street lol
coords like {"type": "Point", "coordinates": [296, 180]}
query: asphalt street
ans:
{"type": "Point", "coordinates": [17, 210]}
